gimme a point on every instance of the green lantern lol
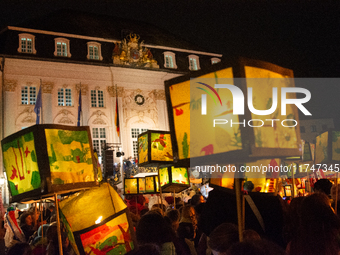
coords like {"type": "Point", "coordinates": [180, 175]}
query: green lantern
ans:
{"type": "Point", "coordinates": [174, 179]}
{"type": "Point", "coordinates": [46, 159]}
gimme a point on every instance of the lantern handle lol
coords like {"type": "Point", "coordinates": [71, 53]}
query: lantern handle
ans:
{"type": "Point", "coordinates": [58, 224]}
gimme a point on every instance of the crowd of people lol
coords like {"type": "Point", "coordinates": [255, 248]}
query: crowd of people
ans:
{"type": "Point", "coordinates": [307, 225]}
{"type": "Point", "coordinates": [31, 232]}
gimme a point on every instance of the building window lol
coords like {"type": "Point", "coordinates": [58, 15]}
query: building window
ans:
{"type": "Point", "coordinates": [97, 98]}
{"type": "Point", "coordinates": [215, 60]}
{"type": "Point", "coordinates": [169, 60]}
{"type": "Point", "coordinates": [302, 129]}
{"type": "Point", "coordinates": [134, 137]}
{"type": "Point", "coordinates": [94, 51]}
{"type": "Point", "coordinates": [28, 95]}
{"type": "Point", "coordinates": [64, 97]}
{"type": "Point", "coordinates": [313, 128]}
{"type": "Point", "coordinates": [62, 47]}
{"type": "Point", "coordinates": [27, 43]}
{"type": "Point", "coordinates": [194, 63]}
{"type": "Point", "coordinates": [324, 127]}
{"type": "Point", "coordinates": [99, 140]}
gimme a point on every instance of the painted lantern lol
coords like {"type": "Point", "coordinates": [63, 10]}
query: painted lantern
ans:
{"type": "Point", "coordinates": [155, 148]}
{"type": "Point", "coordinates": [45, 159]}
{"type": "Point", "coordinates": [141, 185]}
{"type": "Point", "coordinates": [328, 147]}
{"type": "Point", "coordinates": [205, 128]}
{"type": "Point", "coordinates": [97, 221]}
{"type": "Point", "coordinates": [173, 179]}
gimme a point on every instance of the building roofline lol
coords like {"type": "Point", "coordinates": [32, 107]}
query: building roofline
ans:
{"type": "Point", "coordinates": [92, 63]}
{"type": "Point", "coordinates": [30, 30]}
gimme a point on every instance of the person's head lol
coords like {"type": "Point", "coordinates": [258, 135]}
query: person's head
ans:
{"type": "Point", "coordinates": [255, 247]}
{"type": "Point", "coordinates": [159, 207]}
{"type": "Point", "coordinates": [323, 185]}
{"type": "Point", "coordinates": [318, 227]}
{"type": "Point", "coordinates": [144, 211]}
{"type": "Point", "coordinates": [51, 208]}
{"type": "Point", "coordinates": [152, 228]}
{"type": "Point", "coordinates": [250, 235]}
{"type": "Point", "coordinates": [316, 210]}
{"type": "Point", "coordinates": [222, 238]}
{"type": "Point", "coordinates": [20, 248]}
{"type": "Point", "coordinates": [174, 216]}
{"type": "Point", "coordinates": [26, 219]}
{"type": "Point", "coordinates": [197, 199]}
{"type": "Point", "coordinates": [188, 213]}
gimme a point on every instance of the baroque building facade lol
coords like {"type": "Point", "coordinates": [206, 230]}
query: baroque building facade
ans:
{"type": "Point", "coordinates": [102, 58]}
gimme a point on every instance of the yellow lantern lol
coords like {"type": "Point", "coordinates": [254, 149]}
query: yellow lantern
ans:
{"type": "Point", "coordinates": [210, 123]}
{"type": "Point", "coordinates": [174, 179]}
{"type": "Point", "coordinates": [45, 159]}
{"type": "Point", "coordinates": [151, 184]}
{"type": "Point", "coordinates": [98, 222]}
{"type": "Point", "coordinates": [327, 149]}
{"type": "Point", "coordinates": [154, 148]}
{"type": "Point", "coordinates": [141, 185]}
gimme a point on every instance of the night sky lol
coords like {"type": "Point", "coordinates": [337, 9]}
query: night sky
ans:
{"type": "Point", "coordinates": [300, 35]}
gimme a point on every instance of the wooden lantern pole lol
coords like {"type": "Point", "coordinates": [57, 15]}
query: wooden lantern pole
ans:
{"type": "Point", "coordinates": [160, 188]}
{"type": "Point", "coordinates": [42, 222]}
{"type": "Point", "coordinates": [243, 212]}
{"type": "Point", "coordinates": [293, 184]}
{"type": "Point", "coordinates": [239, 207]}
{"type": "Point", "coordinates": [58, 225]}
{"type": "Point", "coordinates": [35, 215]}
{"type": "Point", "coordinates": [336, 193]}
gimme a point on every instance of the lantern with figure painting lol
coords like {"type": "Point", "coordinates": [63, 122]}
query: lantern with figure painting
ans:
{"type": "Point", "coordinates": [154, 148]}
{"type": "Point", "coordinates": [173, 179]}
{"type": "Point", "coordinates": [211, 123]}
{"type": "Point", "coordinates": [97, 222]}
{"type": "Point", "coordinates": [45, 159]}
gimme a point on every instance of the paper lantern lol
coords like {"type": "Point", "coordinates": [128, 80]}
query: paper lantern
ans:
{"type": "Point", "coordinates": [327, 149]}
{"type": "Point", "coordinates": [45, 159]}
{"type": "Point", "coordinates": [173, 179]}
{"type": "Point", "coordinates": [141, 185]}
{"type": "Point", "coordinates": [208, 126]}
{"type": "Point", "coordinates": [151, 184]}
{"type": "Point", "coordinates": [154, 148]}
{"type": "Point", "coordinates": [98, 222]}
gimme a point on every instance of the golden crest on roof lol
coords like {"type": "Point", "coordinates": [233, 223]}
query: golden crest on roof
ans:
{"type": "Point", "coordinates": [131, 52]}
